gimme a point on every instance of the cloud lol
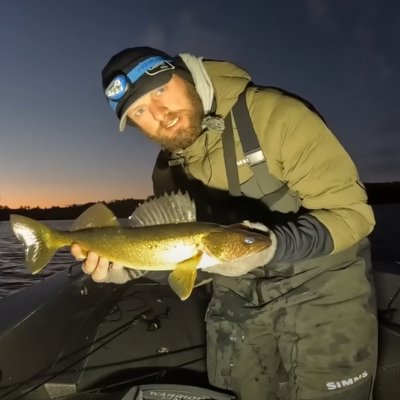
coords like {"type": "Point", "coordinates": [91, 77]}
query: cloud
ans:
{"type": "Point", "coordinates": [381, 168]}
{"type": "Point", "coordinates": [376, 32]}
{"type": "Point", "coordinates": [371, 33]}
{"type": "Point", "coordinates": [155, 36]}
{"type": "Point", "coordinates": [376, 151]}
{"type": "Point", "coordinates": [390, 129]}
{"type": "Point", "coordinates": [320, 14]}
{"type": "Point", "coordinates": [381, 155]}
{"type": "Point", "coordinates": [190, 33]}
{"type": "Point", "coordinates": [384, 139]}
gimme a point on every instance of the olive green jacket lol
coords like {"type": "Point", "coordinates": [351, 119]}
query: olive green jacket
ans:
{"type": "Point", "coordinates": [299, 149]}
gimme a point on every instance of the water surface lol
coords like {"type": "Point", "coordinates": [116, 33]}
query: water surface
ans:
{"type": "Point", "coordinates": [13, 274]}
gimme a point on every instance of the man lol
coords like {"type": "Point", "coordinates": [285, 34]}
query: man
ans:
{"type": "Point", "coordinates": [308, 311]}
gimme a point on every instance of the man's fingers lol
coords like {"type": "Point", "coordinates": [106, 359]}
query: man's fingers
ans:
{"type": "Point", "coordinates": [100, 274]}
{"type": "Point", "coordinates": [99, 268]}
{"type": "Point", "coordinates": [90, 264]}
{"type": "Point", "coordinates": [116, 267]}
{"type": "Point", "coordinates": [76, 251]}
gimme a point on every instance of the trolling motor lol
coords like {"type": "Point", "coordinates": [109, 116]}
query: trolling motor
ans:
{"type": "Point", "coordinates": [174, 392]}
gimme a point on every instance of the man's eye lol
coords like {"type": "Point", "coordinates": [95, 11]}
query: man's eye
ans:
{"type": "Point", "coordinates": [139, 111]}
{"type": "Point", "coordinates": [160, 90]}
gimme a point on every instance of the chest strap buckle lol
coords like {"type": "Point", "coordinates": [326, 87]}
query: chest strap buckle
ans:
{"type": "Point", "coordinates": [254, 157]}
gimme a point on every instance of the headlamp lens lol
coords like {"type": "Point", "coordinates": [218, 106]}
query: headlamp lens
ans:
{"type": "Point", "coordinates": [117, 88]}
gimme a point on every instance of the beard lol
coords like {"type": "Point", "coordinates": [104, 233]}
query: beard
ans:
{"type": "Point", "coordinates": [182, 137]}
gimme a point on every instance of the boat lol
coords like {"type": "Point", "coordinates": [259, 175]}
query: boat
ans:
{"type": "Point", "coordinates": [68, 337]}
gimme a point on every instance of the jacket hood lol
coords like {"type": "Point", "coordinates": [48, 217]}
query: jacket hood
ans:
{"type": "Point", "coordinates": [228, 81]}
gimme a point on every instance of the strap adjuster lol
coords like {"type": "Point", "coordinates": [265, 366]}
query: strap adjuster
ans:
{"type": "Point", "coordinates": [176, 161]}
{"type": "Point", "coordinates": [254, 157]}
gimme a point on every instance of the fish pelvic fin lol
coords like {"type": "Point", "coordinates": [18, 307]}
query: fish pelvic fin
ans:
{"type": "Point", "coordinates": [37, 240]}
{"type": "Point", "coordinates": [183, 277]}
{"type": "Point", "coordinates": [96, 216]}
{"type": "Point", "coordinates": [170, 208]}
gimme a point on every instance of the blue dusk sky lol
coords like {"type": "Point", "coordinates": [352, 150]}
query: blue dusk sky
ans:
{"type": "Point", "coordinates": [59, 139]}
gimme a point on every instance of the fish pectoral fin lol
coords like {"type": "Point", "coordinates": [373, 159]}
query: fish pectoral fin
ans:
{"type": "Point", "coordinates": [182, 278]}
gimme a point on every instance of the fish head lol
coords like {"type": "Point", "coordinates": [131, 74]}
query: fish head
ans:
{"type": "Point", "coordinates": [231, 244]}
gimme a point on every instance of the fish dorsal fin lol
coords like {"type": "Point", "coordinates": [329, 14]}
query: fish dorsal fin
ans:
{"type": "Point", "coordinates": [96, 216]}
{"type": "Point", "coordinates": [170, 208]}
{"type": "Point", "coordinates": [183, 277]}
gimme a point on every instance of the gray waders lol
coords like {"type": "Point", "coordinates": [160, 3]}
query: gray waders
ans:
{"type": "Point", "coordinates": [290, 331]}
{"type": "Point", "coordinates": [285, 331]}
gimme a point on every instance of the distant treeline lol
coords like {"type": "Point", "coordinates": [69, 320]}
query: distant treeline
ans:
{"type": "Point", "coordinates": [121, 208]}
{"type": "Point", "coordinates": [378, 193]}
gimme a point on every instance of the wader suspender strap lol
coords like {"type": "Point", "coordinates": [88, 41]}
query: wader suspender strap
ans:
{"type": "Point", "coordinates": [252, 152]}
{"type": "Point", "coordinates": [228, 145]}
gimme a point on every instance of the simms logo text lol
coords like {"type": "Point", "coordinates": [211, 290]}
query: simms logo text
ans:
{"type": "Point", "coordinates": [346, 382]}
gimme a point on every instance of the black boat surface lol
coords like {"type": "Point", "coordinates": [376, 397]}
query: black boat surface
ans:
{"type": "Point", "coordinates": [70, 338]}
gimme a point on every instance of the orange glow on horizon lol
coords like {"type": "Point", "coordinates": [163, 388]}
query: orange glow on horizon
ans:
{"type": "Point", "coordinates": [46, 198]}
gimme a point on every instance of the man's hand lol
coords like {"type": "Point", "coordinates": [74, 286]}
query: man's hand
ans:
{"type": "Point", "coordinates": [101, 269]}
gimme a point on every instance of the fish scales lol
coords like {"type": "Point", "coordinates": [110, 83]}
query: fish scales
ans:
{"type": "Point", "coordinates": [164, 236]}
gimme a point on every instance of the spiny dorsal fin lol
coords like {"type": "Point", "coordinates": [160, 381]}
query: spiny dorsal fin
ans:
{"type": "Point", "coordinates": [170, 208]}
{"type": "Point", "coordinates": [96, 216]}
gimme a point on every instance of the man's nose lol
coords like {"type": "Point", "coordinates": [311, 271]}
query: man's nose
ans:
{"type": "Point", "coordinates": [159, 111]}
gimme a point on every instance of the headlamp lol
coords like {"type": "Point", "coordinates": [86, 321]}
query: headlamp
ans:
{"type": "Point", "coordinates": [117, 88]}
{"type": "Point", "coordinates": [124, 83]}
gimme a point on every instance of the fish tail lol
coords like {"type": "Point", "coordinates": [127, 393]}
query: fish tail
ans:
{"type": "Point", "coordinates": [38, 241]}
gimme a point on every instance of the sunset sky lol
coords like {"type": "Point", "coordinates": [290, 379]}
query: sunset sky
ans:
{"type": "Point", "coordinates": [60, 142]}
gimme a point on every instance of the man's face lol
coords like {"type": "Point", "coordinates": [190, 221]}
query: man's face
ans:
{"type": "Point", "coordinates": [170, 115]}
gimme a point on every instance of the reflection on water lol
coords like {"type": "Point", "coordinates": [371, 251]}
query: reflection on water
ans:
{"type": "Point", "coordinates": [13, 274]}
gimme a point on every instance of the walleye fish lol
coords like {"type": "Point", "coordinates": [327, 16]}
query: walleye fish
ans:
{"type": "Point", "coordinates": [163, 234]}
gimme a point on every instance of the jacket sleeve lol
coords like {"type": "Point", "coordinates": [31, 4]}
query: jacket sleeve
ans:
{"type": "Point", "coordinates": [317, 167]}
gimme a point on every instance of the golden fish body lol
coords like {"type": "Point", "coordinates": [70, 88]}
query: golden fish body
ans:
{"type": "Point", "coordinates": [160, 247]}
{"type": "Point", "coordinates": [182, 246]}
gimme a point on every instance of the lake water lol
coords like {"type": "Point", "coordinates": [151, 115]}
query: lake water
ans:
{"type": "Point", "coordinates": [13, 275]}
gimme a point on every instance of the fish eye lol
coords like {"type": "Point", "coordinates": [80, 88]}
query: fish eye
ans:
{"type": "Point", "coordinates": [249, 239]}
